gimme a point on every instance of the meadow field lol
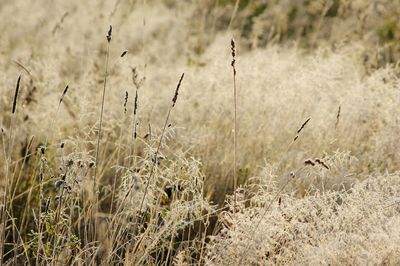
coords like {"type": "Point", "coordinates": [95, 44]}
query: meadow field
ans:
{"type": "Point", "coordinates": [209, 132]}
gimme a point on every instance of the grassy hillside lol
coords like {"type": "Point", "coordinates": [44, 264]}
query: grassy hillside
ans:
{"type": "Point", "coordinates": [118, 144]}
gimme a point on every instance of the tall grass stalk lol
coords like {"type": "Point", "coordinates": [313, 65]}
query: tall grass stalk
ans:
{"type": "Point", "coordinates": [99, 133]}
{"type": "Point", "coordinates": [233, 48]}
{"type": "Point", "coordinates": [8, 165]}
{"type": "Point", "coordinates": [149, 180]}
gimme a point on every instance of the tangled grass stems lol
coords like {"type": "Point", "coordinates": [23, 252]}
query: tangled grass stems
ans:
{"type": "Point", "coordinates": [6, 192]}
{"type": "Point", "coordinates": [149, 180]}
{"type": "Point", "coordinates": [292, 175]}
{"type": "Point", "coordinates": [266, 110]}
{"type": "Point", "coordinates": [154, 162]}
{"type": "Point", "coordinates": [152, 169]}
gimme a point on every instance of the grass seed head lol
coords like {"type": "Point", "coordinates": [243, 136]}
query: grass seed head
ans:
{"type": "Point", "coordinates": [175, 98]}
{"type": "Point", "coordinates": [14, 107]}
{"type": "Point", "coordinates": [109, 34]}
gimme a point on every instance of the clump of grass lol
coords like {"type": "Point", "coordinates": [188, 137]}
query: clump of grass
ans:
{"type": "Point", "coordinates": [156, 189]}
{"type": "Point", "coordinates": [303, 231]}
{"type": "Point", "coordinates": [149, 179]}
{"type": "Point", "coordinates": [7, 189]}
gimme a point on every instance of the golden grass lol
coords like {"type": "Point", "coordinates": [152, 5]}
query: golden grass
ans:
{"type": "Point", "coordinates": [113, 168]}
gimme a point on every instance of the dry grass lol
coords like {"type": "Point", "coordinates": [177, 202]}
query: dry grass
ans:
{"type": "Point", "coordinates": [115, 168]}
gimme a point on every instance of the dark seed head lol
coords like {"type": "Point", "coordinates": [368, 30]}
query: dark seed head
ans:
{"type": "Point", "coordinates": [177, 90]}
{"type": "Point", "coordinates": [70, 162]}
{"type": "Point", "coordinates": [309, 162]}
{"type": "Point", "coordinates": [58, 184]}
{"type": "Point", "coordinates": [42, 149]}
{"type": "Point", "coordinates": [109, 34]}
{"type": "Point", "coordinates": [124, 53]}
{"type": "Point", "coordinates": [14, 107]}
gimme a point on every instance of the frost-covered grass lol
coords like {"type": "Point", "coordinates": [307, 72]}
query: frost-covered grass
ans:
{"type": "Point", "coordinates": [317, 137]}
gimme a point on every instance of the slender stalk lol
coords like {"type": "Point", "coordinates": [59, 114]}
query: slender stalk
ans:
{"type": "Point", "coordinates": [40, 241]}
{"type": "Point", "coordinates": [99, 133]}
{"type": "Point", "coordinates": [235, 9]}
{"type": "Point", "coordinates": [233, 48]}
{"type": "Point", "coordinates": [159, 142]}
{"type": "Point", "coordinates": [255, 229]}
{"type": "Point", "coordinates": [8, 165]}
{"type": "Point", "coordinates": [134, 128]}
{"type": "Point", "coordinates": [153, 165]}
